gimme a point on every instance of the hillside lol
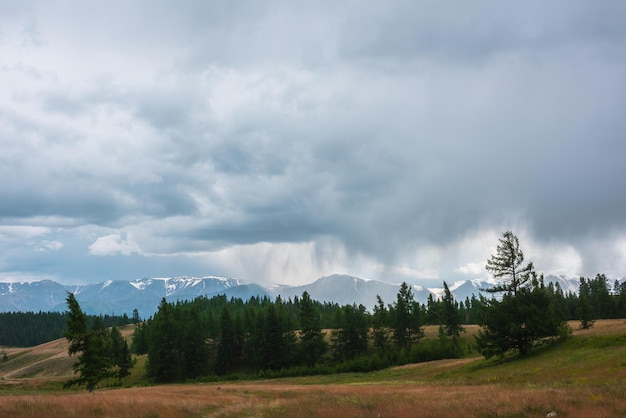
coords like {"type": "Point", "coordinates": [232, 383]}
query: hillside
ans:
{"type": "Point", "coordinates": [48, 361]}
{"type": "Point", "coordinates": [583, 377]}
{"type": "Point", "coordinates": [602, 346]}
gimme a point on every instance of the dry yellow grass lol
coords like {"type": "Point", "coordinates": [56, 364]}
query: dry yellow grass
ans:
{"type": "Point", "coordinates": [277, 399]}
{"type": "Point", "coordinates": [601, 327]}
{"type": "Point", "coordinates": [578, 381]}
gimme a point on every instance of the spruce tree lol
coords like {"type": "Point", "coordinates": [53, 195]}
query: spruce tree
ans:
{"type": "Point", "coordinates": [312, 344]}
{"type": "Point", "coordinates": [451, 320]}
{"type": "Point", "coordinates": [224, 360]}
{"type": "Point", "coordinates": [407, 318]}
{"type": "Point", "coordinates": [351, 330]}
{"type": "Point", "coordinates": [163, 360]}
{"type": "Point", "coordinates": [379, 325]}
{"type": "Point", "coordinates": [90, 345]}
{"type": "Point", "coordinates": [584, 308]}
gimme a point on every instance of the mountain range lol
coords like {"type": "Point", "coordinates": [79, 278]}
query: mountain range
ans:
{"type": "Point", "coordinates": [122, 297]}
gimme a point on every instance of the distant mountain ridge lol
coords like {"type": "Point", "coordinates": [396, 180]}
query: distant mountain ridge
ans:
{"type": "Point", "coordinates": [119, 297]}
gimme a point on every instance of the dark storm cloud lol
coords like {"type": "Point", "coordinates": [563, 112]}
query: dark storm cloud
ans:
{"type": "Point", "coordinates": [382, 130]}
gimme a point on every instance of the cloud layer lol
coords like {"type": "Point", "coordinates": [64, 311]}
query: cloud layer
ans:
{"type": "Point", "coordinates": [278, 142]}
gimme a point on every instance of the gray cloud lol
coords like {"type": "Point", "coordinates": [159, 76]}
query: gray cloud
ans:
{"type": "Point", "coordinates": [386, 135]}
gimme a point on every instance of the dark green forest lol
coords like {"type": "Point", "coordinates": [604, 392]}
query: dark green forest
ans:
{"type": "Point", "coordinates": [220, 338]}
{"type": "Point", "coordinates": [261, 337]}
{"type": "Point", "coordinates": [26, 329]}
{"type": "Point", "coordinates": [597, 299]}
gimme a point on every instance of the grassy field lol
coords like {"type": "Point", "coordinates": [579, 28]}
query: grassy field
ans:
{"type": "Point", "coordinates": [582, 377]}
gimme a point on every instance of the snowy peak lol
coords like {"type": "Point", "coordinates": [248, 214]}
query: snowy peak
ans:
{"type": "Point", "coordinates": [347, 290]}
{"type": "Point", "coordinates": [118, 297]}
{"type": "Point", "coordinates": [145, 294]}
{"type": "Point", "coordinates": [566, 284]}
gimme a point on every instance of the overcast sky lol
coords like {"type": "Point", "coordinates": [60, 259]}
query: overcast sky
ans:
{"type": "Point", "coordinates": [280, 141]}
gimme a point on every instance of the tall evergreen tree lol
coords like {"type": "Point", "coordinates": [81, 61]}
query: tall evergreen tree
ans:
{"type": "Point", "coordinates": [312, 344]}
{"type": "Point", "coordinates": [451, 320]}
{"type": "Point", "coordinates": [524, 314]}
{"type": "Point", "coordinates": [91, 345]}
{"type": "Point", "coordinates": [407, 319]}
{"type": "Point", "coordinates": [275, 350]}
{"type": "Point", "coordinates": [120, 353]}
{"type": "Point", "coordinates": [224, 359]}
{"type": "Point", "coordinates": [508, 264]}
{"type": "Point", "coordinates": [584, 309]}
{"type": "Point", "coordinates": [136, 319]}
{"type": "Point", "coordinates": [380, 322]}
{"type": "Point", "coordinates": [193, 348]}
{"type": "Point", "coordinates": [163, 361]}
{"type": "Point", "coordinates": [139, 344]}
{"type": "Point", "coordinates": [433, 311]}
{"type": "Point", "coordinates": [351, 331]}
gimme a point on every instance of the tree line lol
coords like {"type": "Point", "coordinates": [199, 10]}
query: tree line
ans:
{"type": "Point", "coordinates": [263, 337]}
{"type": "Point", "coordinates": [27, 329]}
{"type": "Point", "coordinates": [221, 336]}
{"type": "Point", "coordinates": [217, 336]}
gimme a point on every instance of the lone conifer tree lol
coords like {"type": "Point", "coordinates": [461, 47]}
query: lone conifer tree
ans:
{"type": "Point", "coordinates": [90, 345]}
{"type": "Point", "coordinates": [508, 264]}
{"type": "Point", "coordinates": [525, 313]}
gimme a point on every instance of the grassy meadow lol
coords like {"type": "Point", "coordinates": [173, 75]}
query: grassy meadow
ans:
{"type": "Point", "coordinates": [584, 376]}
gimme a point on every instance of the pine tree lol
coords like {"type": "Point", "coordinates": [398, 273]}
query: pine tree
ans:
{"type": "Point", "coordinates": [140, 340]}
{"type": "Point", "coordinates": [407, 318]}
{"type": "Point", "coordinates": [125, 361]}
{"type": "Point", "coordinates": [224, 359]}
{"type": "Point", "coordinates": [193, 347]}
{"type": "Point", "coordinates": [350, 334]}
{"type": "Point", "coordinates": [91, 345]}
{"type": "Point", "coordinates": [380, 323]}
{"type": "Point", "coordinates": [451, 320]}
{"type": "Point", "coordinates": [525, 313]}
{"type": "Point", "coordinates": [278, 341]}
{"type": "Point", "coordinates": [508, 264]}
{"type": "Point", "coordinates": [312, 344]}
{"type": "Point", "coordinates": [163, 361]}
{"type": "Point", "coordinates": [136, 319]}
{"type": "Point", "coordinates": [584, 308]}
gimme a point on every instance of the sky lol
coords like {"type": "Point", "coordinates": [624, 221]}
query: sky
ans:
{"type": "Point", "coordinates": [281, 141]}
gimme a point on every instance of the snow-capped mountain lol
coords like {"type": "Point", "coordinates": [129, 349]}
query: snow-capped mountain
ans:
{"type": "Point", "coordinates": [466, 288]}
{"type": "Point", "coordinates": [567, 284]}
{"type": "Point", "coordinates": [346, 290]}
{"type": "Point", "coordinates": [121, 297]}
{"type": "Point", "coordinates": [31, 296]}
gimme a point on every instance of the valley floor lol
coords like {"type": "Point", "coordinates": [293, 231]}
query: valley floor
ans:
{"type": "Point", "coordinates": [393, 399]}
{"type": "Point", "coordinates": [583, 377]}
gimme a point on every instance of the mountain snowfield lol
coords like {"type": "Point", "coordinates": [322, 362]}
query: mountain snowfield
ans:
{"type": "Point", "coordinates": [119, 297]}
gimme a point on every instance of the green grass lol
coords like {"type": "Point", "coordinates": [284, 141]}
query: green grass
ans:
{"type": "Point", "coordinates": [597, 360]}
{"type": "Point", "coordinates": [594, 357]}
{"type": "Point", "coordinates": [582, 376]}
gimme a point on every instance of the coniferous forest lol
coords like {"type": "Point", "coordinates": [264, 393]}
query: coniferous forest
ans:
{"type": "Point", "coordinates": [351, 332]}
{"type": "Point", "coordinates": [26, 329]}
{"type": "Point", "coordinates": [261, 337]}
